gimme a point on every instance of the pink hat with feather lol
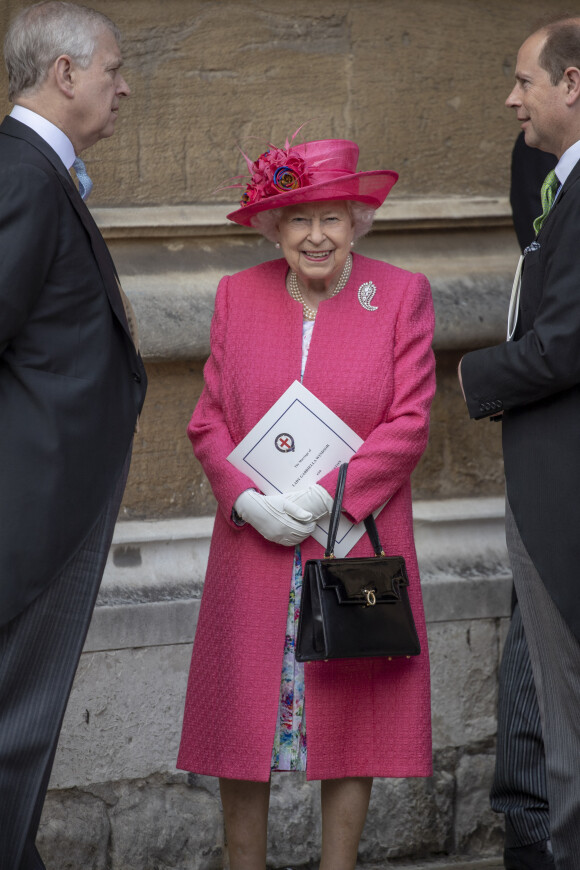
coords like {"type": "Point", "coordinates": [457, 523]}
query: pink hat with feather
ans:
{"type": "Point", "coordinates": [310, 172]}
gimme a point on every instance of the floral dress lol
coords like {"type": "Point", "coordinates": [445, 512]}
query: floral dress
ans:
{"type": "Point", "coordinates": [289, 750]}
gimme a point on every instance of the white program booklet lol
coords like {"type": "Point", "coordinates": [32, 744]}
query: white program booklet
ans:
{"type": "Point", "coordinates": [294, 445]}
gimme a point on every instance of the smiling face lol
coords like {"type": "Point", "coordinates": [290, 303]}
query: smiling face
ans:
{"type": "Point", "coordinates": [540, 105]}
{"type": "Point", "coordinates": [315, 239]}
{"type": "Point", "coordinates": [97, 93]}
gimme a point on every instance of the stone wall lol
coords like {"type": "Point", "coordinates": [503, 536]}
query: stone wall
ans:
{"type": "Point", "coordinates": [419, 86]}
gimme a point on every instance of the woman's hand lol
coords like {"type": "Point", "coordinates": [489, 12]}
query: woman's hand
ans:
{"type": "Point", "coordinates": [275, 517]}
{"type": "Point", "coordinates": [316, 500]}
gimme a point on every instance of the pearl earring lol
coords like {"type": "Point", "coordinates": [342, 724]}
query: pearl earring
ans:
{"type": "Point", "coordinates": [277, 245]}
{"type": "Point", "coordinates": [352, 244]}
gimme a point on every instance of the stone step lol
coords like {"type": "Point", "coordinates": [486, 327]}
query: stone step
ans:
{"type": "Point", "coordinates": [447, 864]}
{"type": "Point", "coordinates": [431, 864]}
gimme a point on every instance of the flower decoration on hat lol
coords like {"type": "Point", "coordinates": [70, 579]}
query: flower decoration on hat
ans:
{"type": "Point", "coordinates": [314, 171]}
{"type": "Point", "coordinates": [275, 171]}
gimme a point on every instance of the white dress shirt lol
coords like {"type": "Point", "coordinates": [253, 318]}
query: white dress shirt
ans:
{"type": "Point", "coordinates": [567, 162]}
{"type": "Point", "coordinates": [48, 131]}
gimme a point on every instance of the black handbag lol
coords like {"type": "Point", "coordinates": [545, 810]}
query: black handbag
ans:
{"type": "Point", "coordinates": [355, 607]}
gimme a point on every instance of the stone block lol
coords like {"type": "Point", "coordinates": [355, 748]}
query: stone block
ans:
{"type": "Point", "coordinates": [144, 554]}
{"type": "Point", "coordinates": [294, 824]}
{"type": "Point", "coordinates": [155, 623]}
{"type": "Point", "coordinates": [124, 716]}
{"type": "Point", "coordinates": [408, 817]}
{"type": "Point", "coordinates": [461, 537]}
{"type": "Point", "coordinates": [74, 831]}
{"type": "Point", "coordinates": [175, 315]}
{"type": "Point", "coordinates": [463, 457]}
{"type": "Point", "coordinates": [165, 479]}
{"type": "Point", "coordinates": [155, 827]}
{"type": "Point", "coordinates": [464, 662]}
{"type": "Point", "coordinates": [478, 831]}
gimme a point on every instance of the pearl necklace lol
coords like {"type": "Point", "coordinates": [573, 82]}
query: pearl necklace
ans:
{"type": "Point", "coordinates": [294, 290]}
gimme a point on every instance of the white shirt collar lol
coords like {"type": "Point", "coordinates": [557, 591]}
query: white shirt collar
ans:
{"type": "Point", "coordinates": [51, 134]}
{"type": "Point", "coordinates": [567, 162]}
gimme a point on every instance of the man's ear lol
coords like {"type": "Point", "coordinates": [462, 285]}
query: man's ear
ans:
{"type": "Point", "coordinates": [571, 79]}
{"type": "Point", "coordinates": [63, 75]}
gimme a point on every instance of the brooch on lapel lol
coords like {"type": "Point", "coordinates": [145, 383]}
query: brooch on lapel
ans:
{"type": "Point", "coordinates": [366, 293]}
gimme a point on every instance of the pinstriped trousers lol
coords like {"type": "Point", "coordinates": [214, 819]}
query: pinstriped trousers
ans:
{"type": "Point", "coordinates": [555, 661]}
{"type": "Point", "coordinates": [39, 655]}
{"type": "Point", "coordinates": [519, 787]}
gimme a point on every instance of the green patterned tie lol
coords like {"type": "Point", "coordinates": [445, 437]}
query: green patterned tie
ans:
{"type": "Point", "coordinates": [547, 194]}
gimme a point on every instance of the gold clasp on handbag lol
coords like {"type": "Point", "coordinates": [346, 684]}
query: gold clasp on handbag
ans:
{"type": "Point", "coordinates": [371, 598]}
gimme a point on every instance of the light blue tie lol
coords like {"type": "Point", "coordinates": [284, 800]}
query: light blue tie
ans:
{"type": "Point", "coordinates": [85, 183]}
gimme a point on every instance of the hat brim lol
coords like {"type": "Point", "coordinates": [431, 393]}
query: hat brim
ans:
{"type": "Point", "coordinates": [371, 188]}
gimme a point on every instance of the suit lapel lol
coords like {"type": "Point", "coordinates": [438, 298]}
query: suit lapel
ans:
{"type": "Point", "coordinates": [568, 184]}
{"type": "Point", "coordinates": [17, 130]}
{"type": "Point", "coordinates": [101, 252]}
{"type": "Point", "coordinates": [11, 127]}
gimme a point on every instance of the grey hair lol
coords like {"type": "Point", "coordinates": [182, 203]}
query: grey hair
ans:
{"type": "Point", "coordinates": [362, 215]}
{"type": "Point", "coordinates": [41, 33]}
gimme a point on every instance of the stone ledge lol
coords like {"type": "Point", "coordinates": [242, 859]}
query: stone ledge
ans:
{"type": "Point", "coordinates": [460, 863]}
{"type": "Point", "coordinates": [154, 577]}
{"type": "Point", "coordinates": [175, 309]}
{"type": "Point", "coordinates": [210, 219]}
{"type": "Point", "coordinates": [146, 624]}
{"type": "Point", "coordinates": [461, 538]}
{"type": "Point", "coordinates": [171, 258]}
{"type": "Point", "coordinates": [148, 555]}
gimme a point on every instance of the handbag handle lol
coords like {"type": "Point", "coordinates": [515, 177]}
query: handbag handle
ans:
{"type": "Point", "coordinates": [369, 521]}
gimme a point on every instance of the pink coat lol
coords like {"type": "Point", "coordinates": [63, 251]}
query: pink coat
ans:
{"type": "Point", "coordinates": [375, 369]}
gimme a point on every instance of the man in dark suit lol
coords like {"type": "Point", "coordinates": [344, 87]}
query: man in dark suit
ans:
{"type": "Point", "coordinates": [533, 380]}
{"type": "Point", "coordinates": [72, 385]}
{"type": "Point", "coordinates": [519, 786]}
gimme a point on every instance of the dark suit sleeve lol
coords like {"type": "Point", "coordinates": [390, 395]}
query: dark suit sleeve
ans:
{"type": "Point", "coordinates": [28, 234]}
{"type": "Point", "coordinates": [546, 358]}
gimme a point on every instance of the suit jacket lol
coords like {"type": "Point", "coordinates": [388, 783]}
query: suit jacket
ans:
{"type": "Point", "coordinates": [375, 369]}
{"type": "Point", "coordinates": [71, 381]}
{"type": "Point", "coordinates": [535, 379]}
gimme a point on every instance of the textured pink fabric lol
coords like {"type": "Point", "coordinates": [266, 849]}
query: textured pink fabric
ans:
{"type": "Point", "coordinates": [375, 369]}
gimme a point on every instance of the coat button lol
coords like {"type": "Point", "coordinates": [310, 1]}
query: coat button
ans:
{"type": "Point", "coordinates": [487, 406]}
{"type": "Point", "coordinates": [137, 377]}
{"type": "Point", "coordinates": [499, 404]}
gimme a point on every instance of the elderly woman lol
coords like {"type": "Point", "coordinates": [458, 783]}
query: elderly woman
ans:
{"type": "Point", "coordinates": [357, 332]}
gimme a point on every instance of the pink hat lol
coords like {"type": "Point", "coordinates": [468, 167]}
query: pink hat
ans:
{"type": "Point", "coordinates": [311, 172]}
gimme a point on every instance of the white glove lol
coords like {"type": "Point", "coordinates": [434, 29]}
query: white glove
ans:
{"type": "Point", "coordinates": [275, 517]}
{"type": "Point", "coordinates": [316, 500]}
